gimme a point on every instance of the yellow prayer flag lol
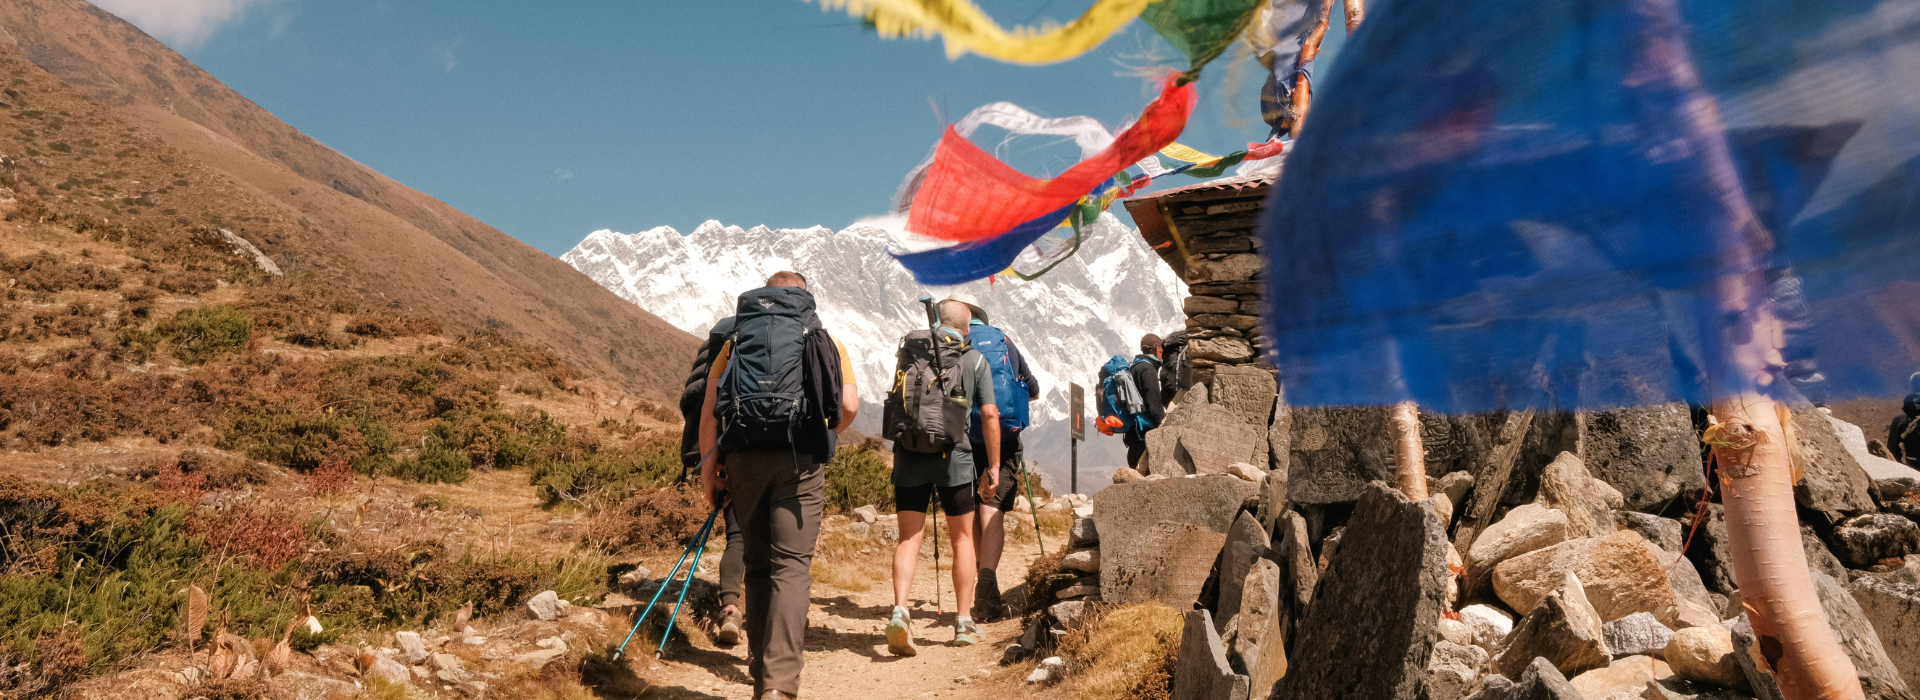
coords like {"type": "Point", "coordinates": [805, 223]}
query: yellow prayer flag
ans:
{"type": "Point", "coordinates": [966, 28]}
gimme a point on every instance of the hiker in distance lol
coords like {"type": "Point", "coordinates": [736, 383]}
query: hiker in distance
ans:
{"type": "Point", "coordinates": [937, 382]}
{"type": "Point", "coordinates": [1014, 386]}
{"type": "Point", "coordinates": [1130, 397]}
{"type": "Point", "coordinates": [1903, 436]}
{"type": "Point", "coordinates": [779, 392]}
{"type": "Point", "coordinates": [733, 566]}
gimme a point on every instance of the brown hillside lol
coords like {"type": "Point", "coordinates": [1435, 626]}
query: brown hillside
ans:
{"type": "Point", "coordinates": [320, 211]}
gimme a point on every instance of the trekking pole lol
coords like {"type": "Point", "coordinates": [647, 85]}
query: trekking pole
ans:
{"type": "Point", "coordinates": [938, 607]}
{"type": "Point", "coordinates": [704, 529]}
{"type": "Point", "coordinates": [1031, 508]}
{"type": "Point", "coordinates": [706, 534]}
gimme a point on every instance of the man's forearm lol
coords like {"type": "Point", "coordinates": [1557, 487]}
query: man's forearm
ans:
{"type": "Point", "coordinates": [849, 407]}
{"type": "Point", "coordinates": [990, 427]}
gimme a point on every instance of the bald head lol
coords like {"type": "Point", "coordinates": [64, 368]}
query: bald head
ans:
{"type": "Point", "coordinates": [955, 315]}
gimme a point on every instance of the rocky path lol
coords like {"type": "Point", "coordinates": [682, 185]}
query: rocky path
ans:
{"type": "Point", "coordinates": [847, 655]}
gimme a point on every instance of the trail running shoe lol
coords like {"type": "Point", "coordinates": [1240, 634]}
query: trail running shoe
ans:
{"type": "Point", "coordinates": [987, 606]}
{"type": "Point", "coordinates": [965, 632]}
{"type": "Point", "coordinates": [729, 633]}
{"type": "Point", "coordinates": [899, 634]}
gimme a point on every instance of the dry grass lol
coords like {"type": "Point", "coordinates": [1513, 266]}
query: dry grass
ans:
{"type": "Point", "coordinates": [1124, 652]}
{"type": "Point", "coordinates": [850, 563]}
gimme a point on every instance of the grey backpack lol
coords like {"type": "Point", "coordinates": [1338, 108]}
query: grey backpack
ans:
{"type": "Point", "coordinates": [926, 411]}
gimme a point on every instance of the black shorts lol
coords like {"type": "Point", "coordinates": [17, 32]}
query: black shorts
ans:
{"type": "Point", "coordinates": [1009, 494]}
{"type": "Point", "coordinates": [954, 500]}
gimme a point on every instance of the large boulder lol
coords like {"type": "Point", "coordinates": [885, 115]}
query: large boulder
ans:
{"type": "Point", "coordinates": [1709, 550]}
{"type": "Point", "coordinates": [1621, 572]}
{"type": "Point", "coordinates": [1650, 454]}
{"type": "Point", "coordinates": [1246, 391]}
{"type": "Point", "coordinates": [1563, 629]}
{"type": "Point", "coordinates": [1374, 619]}
{"type": "Point", "coordinates": [1336, 452]}
{"type": "Point", "coordinates": [1526, 528]}
{"type": "Point", "coordinates": [1568, 487]}
{"type": "Point", "coordinates": [1821, 558]}
{"type": "Point", "coordinates": [1894, 609]}
{"type": "Point", "coordinates": [1134, 561]}
{"type": "Point", "coordinates": [1207, 438]}
{"type": "Point", "coordinates": [1202, 672]}
{"type": "Point", "coordinates": [1834, 481]}
{"type": "Point", "coordinates": [1246, 542]}
{"type": "Point", "coordinates": [1863, 540]}
{"type": "Point", "coordinates": [1857, 635]}
{"type": "Point", "coordinates": [1666, 533]}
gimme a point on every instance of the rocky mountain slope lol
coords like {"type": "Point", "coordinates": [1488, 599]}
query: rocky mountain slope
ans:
{"type": "Point", "coordinates": [1067, 323]}
{"type": "Point", "coordinates": [310, 208]}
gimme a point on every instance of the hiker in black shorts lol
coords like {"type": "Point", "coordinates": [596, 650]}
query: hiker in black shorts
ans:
{"type": "Point", "coordinates": [947, 474]}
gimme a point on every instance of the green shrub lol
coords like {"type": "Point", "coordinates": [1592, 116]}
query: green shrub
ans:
{"type": "Point", "coordinates": [436, 464]}
{"type": "Point", "coordinates": [202, 333]}
{"type": "Point", "coordinates": [306, 443]}
{"type": "Point", "coordinates": [858, 476]}
{"type": "Point", "coordinates": [594, 475]}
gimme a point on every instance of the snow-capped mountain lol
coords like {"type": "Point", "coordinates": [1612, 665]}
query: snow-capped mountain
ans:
{"type": "Point", "coordinates": [1066, 324]}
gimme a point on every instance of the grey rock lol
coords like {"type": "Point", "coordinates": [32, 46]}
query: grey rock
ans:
{"type": "Point", "coordinates": [1370, 629]}
{"type": "Point", "coordinates": [1455, 485]}
{"type": "Point", "coordinates": [294, 685]}
{"type": "Point", "coordinates": [1162, 446]}
{"type": "Point", "coordinates": [1084, 533]}
{"type": "Point", "coordinates": [1666, 533]}
{"type": "Point", "coordinates": [1070, 613]}
{"type": "Point", "coordinates": [1834, 480]}
{"type": "Point", "coordinates": [1050, 669]}
{"type": "Point", "coordinates": [1863, 540]}
{"type": "Point", "coordinates": [1082, 560]}
{"type": "Point", "coordinates": [1563, 629]}
{"type": "Point", "coordinates": [1246, 391]}
{"type": "Point", "coordinates": [1259, 640]}
{"type": "Point", "coordinates": [1567, 486]}
{"type": "Point", "coordinates": [1895, 488]}
{"type": "Point", "coordinates": [412, 647]}
{"type": "Point", "coordinates": [1636, 634]}
{"type": "Point", "coordinates": [1227, 350]}
{"type": "Point", "coordinates": [1216, 437]}
{"type": "Point", "coordinates": [390, 669]}
{"type": "Point", "coordinates": [1202, 671]}
{"type": "Point", "coordinates": [1127, 475]}
{"type": "Point", "coordinates": [547, 605]}
{"type": "Point", "coordinates": [1684, 578]}
{"type": "Point", "coordinates": [1453, 670]}
{"type": "Point", "coordinates": [859, 530]}
{"type": "Point", "coordinates": [1133, 561]}
{"type": "Point", "coordinates": [1746, 648]}
{"type": "Point", "coordinates": [1246, 541]}
{"type": "Point", "coordinates": [866, 513]}
{"type": "Point", "coordinates": [1336, 452]}
{"type": "Point", "coordinates": [1878, 675]}
{"type": "Point", "coordinates": [1198, 304]}
{"type": "Point", "coordinates": [1894, 609]}
{"type": "Point", "coordinates": [1273, 501]}
{"type": "Point", "coordinates": [1708, 551]}
{"type": "Point", "coordinates": [1280, 439]}
{"type": "Point", "coordinates": [447, 667]}
{"type": "Point", "coordinates": [1296, 559]}
{"type": "Point", "coordinates": [1650, 454]}
{"type": "Point", "coordinates": [1540, 681]}
{"type": "Point", "coordinates": [1490, 625]}
{"type": "Point", "coordinates": [1821, 558]}
{"type": "Point", "coordinates": [1077, 592]}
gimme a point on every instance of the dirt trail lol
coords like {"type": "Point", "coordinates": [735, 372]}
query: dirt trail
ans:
{"type": "Point", "coordinates": [846, 653]}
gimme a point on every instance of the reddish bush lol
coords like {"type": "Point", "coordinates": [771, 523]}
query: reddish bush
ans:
{"type": "Point", "coordinates": [266, 537]}
{"type": "Point", "coordinates": [179, 486]}
{"type": "Point", "coordinates": [332, 480]}
{"type": "Point", "coordinates": [653, 519]}
{"type": "Point", "coordinates": [388, 324]}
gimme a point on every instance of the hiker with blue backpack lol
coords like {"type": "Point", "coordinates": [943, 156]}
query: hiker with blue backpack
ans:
{"type": "Point", "coordinates": [1014, 386]}
{"type": "Point", "coordinates": [939, 381]}
{"type": "Point", "coordinates": [780, 392]}
{"type": "Point", "coordinates": [1130, 397]}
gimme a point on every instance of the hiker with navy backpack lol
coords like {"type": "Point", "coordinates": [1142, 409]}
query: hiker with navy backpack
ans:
{"type": "Point", "coordinates": [1130, 397]}
{"type": "Point", "coordinates": [780, 392]}
{"type": "Point", "coordinates": [1014, 386]}
{"type": "Point", "coordinates": [939, 380]}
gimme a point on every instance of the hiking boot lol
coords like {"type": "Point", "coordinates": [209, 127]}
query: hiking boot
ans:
{"type": "Point", "coordinates": [987, 606]}
{"type": "Point", "coordinates": [965, 632]}
{"type": "Point", "coordinates": [899, 634]}
{"type": "Point", "coordinates": [729, 633]}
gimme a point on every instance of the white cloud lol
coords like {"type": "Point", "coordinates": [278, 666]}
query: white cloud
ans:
{"type": "Point", "coordinates": [182, 24]}
{"type": "Point", "coordinates": [562, 174]}
{"type": "Point", "coordinates": [448, 53]}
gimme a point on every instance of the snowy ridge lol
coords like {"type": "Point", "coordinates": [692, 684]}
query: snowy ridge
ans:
{"type": "Point", "coordinates": [1067, 323]}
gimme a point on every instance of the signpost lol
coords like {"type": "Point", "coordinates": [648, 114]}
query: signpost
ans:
{"type": "Point", "coordinates": [1076, 431]}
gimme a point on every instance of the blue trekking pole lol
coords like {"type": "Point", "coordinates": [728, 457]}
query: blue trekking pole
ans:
{"type": "Point", "coordinates": [700, 540]}
{"type": "Point", "coordinates": [705, 532]}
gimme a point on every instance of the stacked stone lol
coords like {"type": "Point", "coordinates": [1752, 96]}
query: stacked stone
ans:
{"type": "Point", "coordinates": [1222, 271]}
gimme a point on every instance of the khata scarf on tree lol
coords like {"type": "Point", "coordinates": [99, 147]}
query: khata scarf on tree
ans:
{"type": "Point", "coordinates": [966, 28]}
{"type": "Point", "coordinates": [1507, 203]}
{"type": "Point", "coordinates": [968, 195]}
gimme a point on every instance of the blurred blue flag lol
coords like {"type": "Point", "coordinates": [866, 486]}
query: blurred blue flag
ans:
{"type": "Point", "coordinates": [1510, 203]}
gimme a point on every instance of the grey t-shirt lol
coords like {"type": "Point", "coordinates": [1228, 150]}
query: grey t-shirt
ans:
{"type": "Point", "coordinates": [954, 468]}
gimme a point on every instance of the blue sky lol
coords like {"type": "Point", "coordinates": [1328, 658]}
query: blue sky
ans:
{"type": "Point", "coordinates": [550, 120]}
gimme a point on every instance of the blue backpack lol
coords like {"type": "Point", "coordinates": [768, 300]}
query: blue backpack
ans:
{"type": "Point", "coordinates": [1120, 397]}
{"type": "Point", "coordinates": [1009, 393]}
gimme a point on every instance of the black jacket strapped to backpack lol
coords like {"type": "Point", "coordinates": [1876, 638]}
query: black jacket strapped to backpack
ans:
{"type": "Point", "coordinates": [781, 388]}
